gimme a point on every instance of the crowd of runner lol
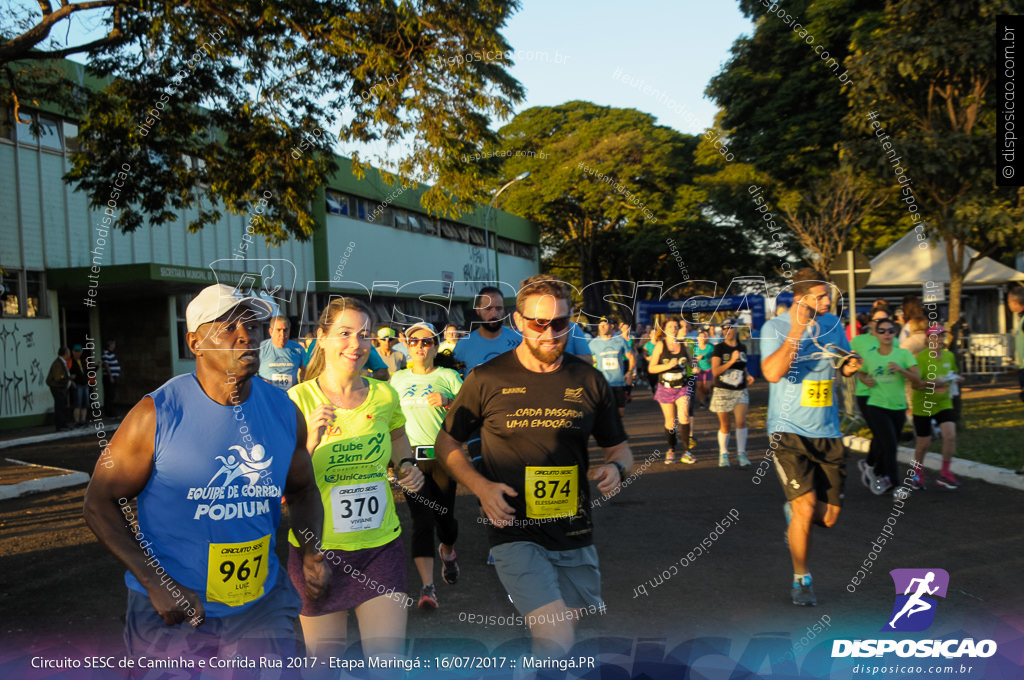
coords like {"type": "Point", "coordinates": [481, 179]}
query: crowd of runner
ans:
{"type": "Point", "coordinates": [507, 411]}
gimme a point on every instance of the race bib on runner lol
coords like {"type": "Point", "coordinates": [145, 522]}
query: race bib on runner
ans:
{"type": "Point", "coordinates": [816, 393]}
{"type": "Point", "coordinates": [673, 376]}
{"type": "Point", "coordinates": [551, 491]}
{"type": "Point", "coordinates": [282, 380]}
{"type": "Point", "coordinates": [236, 571]}
{"type": "Point", "coordinates": [733, 377]}
{"type": "Point", "coordinates": [609, 363]}
{"type": "Point", "coordinates": [358, 508]}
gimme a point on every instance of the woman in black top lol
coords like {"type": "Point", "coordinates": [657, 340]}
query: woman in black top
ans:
{"type": "Point", "coordinates": [729, 397]}
{"type": "Point", "coordinates": [670, 361]}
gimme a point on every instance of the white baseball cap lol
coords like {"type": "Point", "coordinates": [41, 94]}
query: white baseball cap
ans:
{"type": "Point", "coordinates": [217, 300]}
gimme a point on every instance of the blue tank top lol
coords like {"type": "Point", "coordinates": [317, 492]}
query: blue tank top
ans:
{"type": "Point", "coordinates": [211, 508]}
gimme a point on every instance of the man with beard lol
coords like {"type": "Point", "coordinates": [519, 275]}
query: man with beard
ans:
{"type": "Point", "coordinates": [536, 408]}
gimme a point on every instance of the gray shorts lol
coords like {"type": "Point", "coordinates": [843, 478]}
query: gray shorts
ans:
{"type": "Point", "coordinates": [269, 629]}
{"type": "Point", "coordinates": [535, 576]}
{"type": "Point", "coordinates": [724, 401]}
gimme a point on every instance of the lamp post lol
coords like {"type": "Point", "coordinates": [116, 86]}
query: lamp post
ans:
{"type": "Point", "coordinates": [487, 218]}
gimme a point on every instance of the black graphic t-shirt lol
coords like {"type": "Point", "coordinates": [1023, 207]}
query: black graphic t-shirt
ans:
{"type": "Point", "coordinates": [735, 378]}
{"type": "Point", "coordinates": [534, 429]}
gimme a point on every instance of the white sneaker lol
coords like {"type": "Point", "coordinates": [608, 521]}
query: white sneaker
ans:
{"type": "Point", "coordinates": [723, 460]}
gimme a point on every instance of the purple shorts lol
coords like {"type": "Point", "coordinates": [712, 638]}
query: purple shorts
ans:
{"type": "Point", "coordinates": [705, 376]}
{"type": "Point", "coordinates": [357, 576]}
{"type": "Point", "coordinates": [670, 395]}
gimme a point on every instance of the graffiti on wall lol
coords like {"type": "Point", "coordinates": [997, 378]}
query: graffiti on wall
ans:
{"type": "Point", "coordinates": [22, 377]}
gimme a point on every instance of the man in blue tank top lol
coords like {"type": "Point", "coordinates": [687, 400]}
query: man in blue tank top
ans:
{"type": "Point", "coordinates": [208, 456]}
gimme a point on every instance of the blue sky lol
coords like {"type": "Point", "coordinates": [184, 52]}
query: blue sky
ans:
{"type": "Point", "coordinates": [673, 46]}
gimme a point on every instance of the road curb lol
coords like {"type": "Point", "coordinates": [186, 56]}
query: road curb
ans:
{"type": "Point", "coordinates": [54, 436]}
{"type": "Point", "coordinates": [959, 466]}
{"type": "Point", "coordinates": [71, 478]}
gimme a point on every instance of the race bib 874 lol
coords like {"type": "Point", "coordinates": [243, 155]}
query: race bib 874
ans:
{"type": "Point", "coordinates": [551, 491]}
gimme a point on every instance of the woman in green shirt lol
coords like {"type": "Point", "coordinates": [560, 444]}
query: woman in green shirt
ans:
{"type": "Point", "coordinates": [934, 401]}
{"type": "Point", "coordinates": [885, 371]}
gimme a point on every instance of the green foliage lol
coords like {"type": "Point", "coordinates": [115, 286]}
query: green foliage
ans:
{"type": "Point", "coordinates": [237, 87]}
{"type": "Point", "coordinates": [608, 188]}
{"type": "Point", "coordinates": [928, 70]}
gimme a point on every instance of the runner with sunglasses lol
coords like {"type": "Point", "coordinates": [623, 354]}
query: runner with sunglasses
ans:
{"type": "Point", "coordinates": [426, 392]}
{"type": "Point", "coordinates": [886, 370]}
{"type": "Point", "coordinates": [536, 408]}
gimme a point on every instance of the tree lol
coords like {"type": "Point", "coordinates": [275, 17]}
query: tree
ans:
{"type": "Point", "coordinates": [233, 101]}
{"type": "Point", "coordinates": [608, 188]}
{"type": "Point", "coordinates": [822, 219]}
{"type": "Point", "coordinates": [783, 106]}
{"type": "Point", "coordinates": [925, 76]}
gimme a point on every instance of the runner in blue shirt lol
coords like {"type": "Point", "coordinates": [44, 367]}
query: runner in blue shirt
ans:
{"type": "Point", "coordinates": [803, 418]}
{"type": "Point", "coordinates": [611, 355]}
{"type": "Point", "coordinates": [281, 359]}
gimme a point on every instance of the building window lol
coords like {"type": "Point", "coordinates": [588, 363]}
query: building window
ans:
{"type": "Point", "coordinates": [49, 134]}
{"type": "Point", "coordinates": [449, 231]}
{"type": "Point", "coordinates": [415, 223]}
{"type": "Point", "coordinates": [401, 220]}
{"type": "Point", "coordinates": [524, 250]}
{"type": "Point", "coordinates": [10, 293]}
{"type": "Point", "coordinates": [22, 294]}
{"type": "Point", "coordinates": [337, 204]}
{"type": "Point", "coordinates": [361, 209]}
{"type": "Point", "coordinates": [477, 237]}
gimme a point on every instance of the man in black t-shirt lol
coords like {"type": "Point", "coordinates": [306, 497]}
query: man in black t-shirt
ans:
{"type": "Point", "coordinates": [536, 408]}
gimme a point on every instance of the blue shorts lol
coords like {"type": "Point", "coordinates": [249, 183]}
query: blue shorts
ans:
{"type": "Point", "coordinates": [267, 629]}
{"type": "Point", "coordinates": [81, 396]}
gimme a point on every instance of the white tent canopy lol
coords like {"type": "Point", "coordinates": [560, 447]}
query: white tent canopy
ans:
{"type": "Point", "coordinates": [905, 264]}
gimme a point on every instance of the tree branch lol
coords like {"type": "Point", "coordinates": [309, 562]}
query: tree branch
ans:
{"type": "Point", "coordinates": [21, 46]}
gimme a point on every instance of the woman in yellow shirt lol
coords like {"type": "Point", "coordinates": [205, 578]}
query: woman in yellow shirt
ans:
{"type": "Point", "coordinates": [356, 428]}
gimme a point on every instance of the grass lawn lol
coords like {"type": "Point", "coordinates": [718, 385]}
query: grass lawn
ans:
{"type": "Point", "coordinates": [994, 432]}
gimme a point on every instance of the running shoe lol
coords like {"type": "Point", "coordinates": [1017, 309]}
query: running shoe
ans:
{"type": "Point", "coordinates": [742, 459]}
{"type": "Point", "coordinates": [723, 460]}
{"type": "Point", "coordinates": [803, 593]}
{"type": "Point", "coordinates": [881, 485]}
{"type": "Point", "coordinates": [449, 567]}
{"type": "Point", "coordinates": [917, 483]}
{"type": "Point", "coordinates": [867, 474]}
{"type": "Point", "coordinates": [687, 458]}
{"type": "Point", "coordinates": [947, 482]}
{"type": "Point", "coordinates": [670, 457]}
{"type": "Point", "coordinates": [428, 597]}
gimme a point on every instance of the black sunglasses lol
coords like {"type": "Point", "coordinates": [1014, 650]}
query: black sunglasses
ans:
{"type": "Point", "coordinates": [558, 325]}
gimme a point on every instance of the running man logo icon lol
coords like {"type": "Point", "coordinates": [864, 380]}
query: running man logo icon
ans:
{"type": "Point", "coordinates": [913, 611]}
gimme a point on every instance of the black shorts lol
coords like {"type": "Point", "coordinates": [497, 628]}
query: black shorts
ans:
{"type": "Point", "coordinates": [811, 464]}
{"type": "Point", "coordinates": [620, 396]}
{"type": "Point", "coordinates": [923, 424]}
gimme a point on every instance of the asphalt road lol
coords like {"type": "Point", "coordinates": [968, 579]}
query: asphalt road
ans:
{"type": "Point", "coordinates": [60, 590]}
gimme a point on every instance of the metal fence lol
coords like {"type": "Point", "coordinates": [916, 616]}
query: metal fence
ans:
{"type": "Point", "coordinates": [987, 354]}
